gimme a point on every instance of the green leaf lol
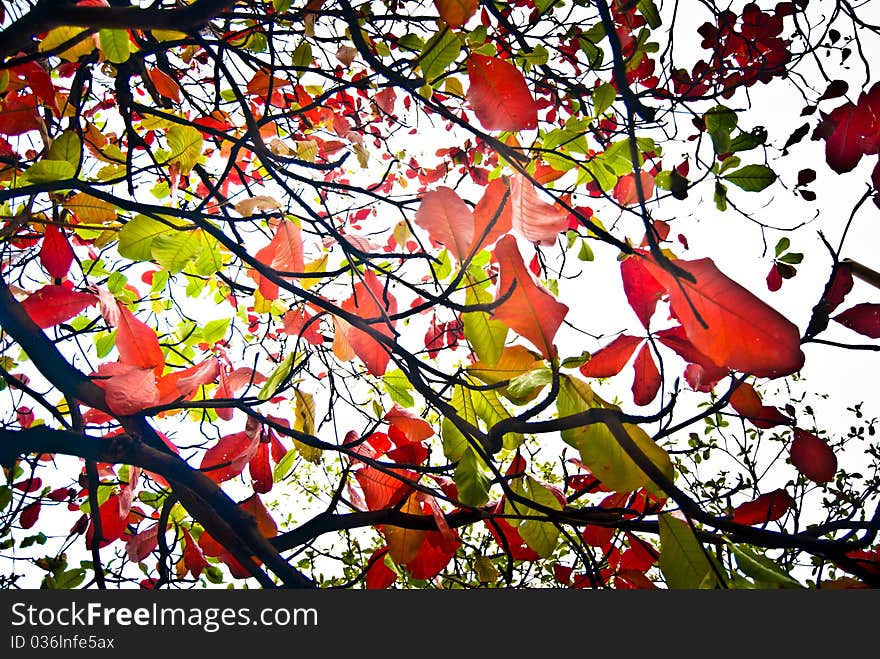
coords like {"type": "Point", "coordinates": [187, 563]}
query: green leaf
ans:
{"type": "Point", "coordinates": [762, 569]}
{"type": "Point", "coordinates": [285, 465]}
{"type": "Point", "coordinates": [746, 141]}
{"type": "Point", "coordinates": [455, 444]}
{"type": "Point", "coordinates": [137, 236]}
{"type": "Point", "coordinates": [302, 56]}
{"type": "Point", "coordinates": [49, 171]}
{"type": "Point", "coordinates": [441, 50]}
{"type": "Point", "coordinates": [304, 421]}
{"type": "Point", "coordinates": [5, 496]}
{"type": "Point", "coordinates": [185, 144]}
{"type": "Point", "coordinates": [471, 480]}
{"type": "Point", "coordinates": [67, 147]}
{"type": "Point", "coordinates": [539, 535]}
{"type": "Point", "coordinates": [486, 336]}
{"type": "Point", "coordinates": [649, 10]}
{"type": "Point", "coordinates": [599, 449]}
{"type": "Point", "coordinates": [174, 250]}
{"type": "Point", "coordinates": [525, 385]}
{"type": "Point", "coordinates": [603, 97]}
{"type": "Point", "coordinates": [104, 343]}
{"type": "Point", "coordinates": [276, 378]}
{"type": "Point", "coordinates": [66, 580]}
{"type": "Point", "coordinates": [115, 45]}
{"type": "Point", "coordinates": [281, 5]}
{"type": "Point", "coordinates": [752, 178]}
{"type": "Point", "coordinates": [720, 122]}
{"type": "Point", "coordinates": [215, 330]}
{"type": "Point", "coordinates": [398, 387]}
{"type": "Point", "coordinates": [683, 560]}
{"type": "Point", "coordinates": [783, 245]}
{"type": "Point", "coordinates": [792, 258]}
{"type": "Point", "coordinates": [210, 259]}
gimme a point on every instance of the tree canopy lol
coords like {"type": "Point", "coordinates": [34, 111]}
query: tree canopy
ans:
{"type": "Point", "coordinates": [439, 294]}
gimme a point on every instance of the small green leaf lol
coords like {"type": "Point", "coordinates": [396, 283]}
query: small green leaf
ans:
{"type": "Point", "coordinates": [215, 330]}
{"type": "Point", "coordinates": [115, 45]}
{"type": "Point", "coordinates": [523, 386]}
{"type": "Point", "coordinates": [281, 5]}
{"type": "Point", "coordinates": [49, 171]}
{"type": "Point", "coordinates": [649, 10]}
{"type": "Point", "coordinates": [792, 258]}
{"type": "Point", "coordinates": [683, 560]}
{"type": "Point", "coordinates": [752, 178]}
{"type": "Point", "coordinates": [66, 147]}
{"type": "Point", "coordinates": [302, 56]}
{"type": "Point", "coordinates": [441, 50]}
{"type": "Point", "coordinates": [276, 378]}
{"type": "Point", "coordinates": [398, 386]}
{"type": "Point", "coordinates": [720, 122]}
{"type": "Point", "coordinates": [185, 144]}
{"type": "Point", "coordinates": [285, 465]}
{"type": "Point", "coordinates": [782, 246]}
{"type": "Point", "coordinates": [603, 97]}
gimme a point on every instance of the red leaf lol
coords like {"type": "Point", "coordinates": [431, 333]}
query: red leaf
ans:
{"type": "Point", "coordinates": [404, 544]}
{"type": "Point", "coordinates": [841, 285]}
{"type": "Point", "coordinates": [213, 548]}
{"type": "Point", "coordinates": [164, 83]}
{"type": "Point", "coordinates": [435, 554]}
{"type": "Point", "coordinates": [862, 318]}
{"type": "Point", "coordinates": [646, 382]}
{"type": "Point", "coordinates": [741, 332]}
{"type": "Point", "coordinates": [136, 341]}
{"type": "Point", "coordinates": [493, 215]}
{"type": "Point", "coordinates": [641, 289]}
{"type": "Point", "coordinates": [412, 427]}
{"type": "Point", "coordinates": [29, 515]}
{"type": "Point", "coordinates": [56, 255]}
{"type": "Point", "coordinates": [530, 310]}
{"type": "Point", "coordinates": [193, 558]}
{"type": "Point", "coordinates": [456, 13]}
{"type": "Point", "coordinates": [382, 489]}
{"type": "Point", "coordinates": [534, 219]}
{"type": "Point", "coordinates": [184, 383]}
{"type": "Point", "coordinates": [448, 220]}
{"type": "Point", "coordinates": [774, 279]}
{"type": "Point", "coordinates": [639, 557]}
{"type": "Point", "coordinates": [509, 539]}
{"type": "Point", "coordinates": [499, 95]}
{"type": "Point", "coordinates": [114, 521]}
{"type": "Point", "coordinates": [366, 301]}
{"type": "Point", "coordinates": [261, 471]}
{"type": "Point", "coordinates": [850, 131]}
{"type": "Point", "coordinates": [298, 323]}
{"type": "Point", "coordinates": [52, 304]}
{"type": "Point", "coordinates": [747, 403]}
{"type": "Point", "coordinates": [766, 508]}
{"type": "Point", "coordinates": [284, 253]}
{"type": "Point", "coordinates": [626, 193]}
{"type": "Point", "coordinates": [18, 114]}
{"type": "Point", "coordinates": [611, 359]}
{"type": "Point", "coordinates": [29, 485]}
{"type": "Point", "coordinates": [813, 457]}
{"type": "Point", "coordinates": [379, 576]}
{"type": "Point", "coordinates": [227, 458]}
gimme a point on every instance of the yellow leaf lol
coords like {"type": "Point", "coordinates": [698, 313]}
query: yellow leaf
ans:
{"type": "Point", "coordinates": [59, 35]}
{"type": "Point", "coordinates": [90, 209]}
{"type": "Point", "coordinates": [404, 544]}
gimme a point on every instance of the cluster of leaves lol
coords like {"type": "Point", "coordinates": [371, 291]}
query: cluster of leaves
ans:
{"type": "Point", "coordinates": [287, 296]}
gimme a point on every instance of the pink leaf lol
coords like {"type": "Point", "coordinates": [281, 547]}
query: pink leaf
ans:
{"type": "Point", "coordinates": [534, 219]}
{"type": "Point", "coordinates": [448, 220]}
{"type": "Point", "coordinates": [129, 389]}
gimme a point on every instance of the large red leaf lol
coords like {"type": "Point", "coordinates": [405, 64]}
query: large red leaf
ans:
{"type": "Point", "coordinates": [56, 255]}
{"type": "Point", "coordinates": [493, 215]}
{"type": "Point", "coordinates": [435, 554]}
{"type": "Point", "coordinates": [766, 508]}
{"type": "Point", "coordinates": [611, 359]}
{"type": "Point", "coordinates": [862, 318]}
{"type": "Point", "coordinates": [18, 114]}
{"type": "Point", "coordinates": [530, 310]}
{"type": "Point", "coordinates": [52, 304]}
{"type": "Point", "coordinates": [366, 301]}
{"type": "Point", "coordinates": [379, 576]}
{"type": "Point", "coordinates": [261, 470]}
{"type": "Point", "coordinates": [136, 341]}
{"type": "Point", "coordinates": [407, 426]}
{"type": "Point", "coordinates": [128, 389]}
{"type": "Point", "coordinates": [499, 95]}
{"type": "Point", "coordinates": [741, 331]}
{"type": "Point", "coordinates": [284, 253]}
{"type": "Point", "coordinates": [227, 458]}
{"type": "Point", "coordinates": [456, 13]}
{"type": "Point", "coordinates": [448, 220]}
{"type": "Point", "coordinates": [646, 382]}
{"type": "Point", "coordinates": [641, 289]}
{"type": "Point", "coordinates": [851, 131]}
{"type": "Point", "coordinates": [114, 521]}
{"type": "Point", "coordinates": [383, 489]}
{"type": "Point", "coordinates": [184, 383]}
{"type": "Point", "coordinates": [813, 457]}
{"type": "Point", "coordinates": [535, 219]}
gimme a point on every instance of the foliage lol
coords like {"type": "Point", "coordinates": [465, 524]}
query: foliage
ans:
{"type": "Point", "coordinates": [313, 294]}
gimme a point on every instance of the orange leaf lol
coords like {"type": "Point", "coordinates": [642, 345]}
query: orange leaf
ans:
{"type": "Point", "coordinates": [742, 332]}
{"type": "Point", "coordinates": [746, 401]}
{"type": "Point", "coordinates": [265, 524]}
{"type": "Point", "coordinates": [534, 219]}
{"type": "Point", "coordinates": [530, 311]}
{"type": "Point", "coordinates": [448, 220]}
{"type": "Point", "coordinates": [456, 13]}
{"type": "Point", "coordinates": [165, 84]}
{"type": "Point", "coordinates": [366, 301]}
{"type": "Point", "coordinates": [259, 84]}
{"type": "Point", "coordinates": [626, 192]}
{"type": "Point", "coordinates": [136, 341]}
{"type": "Point", "coordinates": [129, 389]}
{"type": "Point", "coordinates": [410, 426]}
{"type": "Point", "coordinates": [404, 544]}
{"type": "Point", "coordinates": [499, 95]}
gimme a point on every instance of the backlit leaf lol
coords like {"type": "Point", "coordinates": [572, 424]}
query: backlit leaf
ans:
{"type": "Point", "coordinates": [533, 218]}
{"type": "Point", "coordinates": [448, 220]}
{"type": "Point", "coordinates": [136, 341]}
{"type": "Point", "coordinates": [51, 305]}
{"type": "Point", "coordinates": [456, 13]}
{"type": "Point", "coordinates": [683, 560]}
{"type": "Point", "coordinates": [56, 255]}
{"type": "Point", "coordinates": [499, 95]}
{"type": "Point", "coordinates": [863, 318]}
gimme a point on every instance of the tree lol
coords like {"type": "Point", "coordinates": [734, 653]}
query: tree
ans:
{"type": "Point", "coordinates": [437, 294]}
